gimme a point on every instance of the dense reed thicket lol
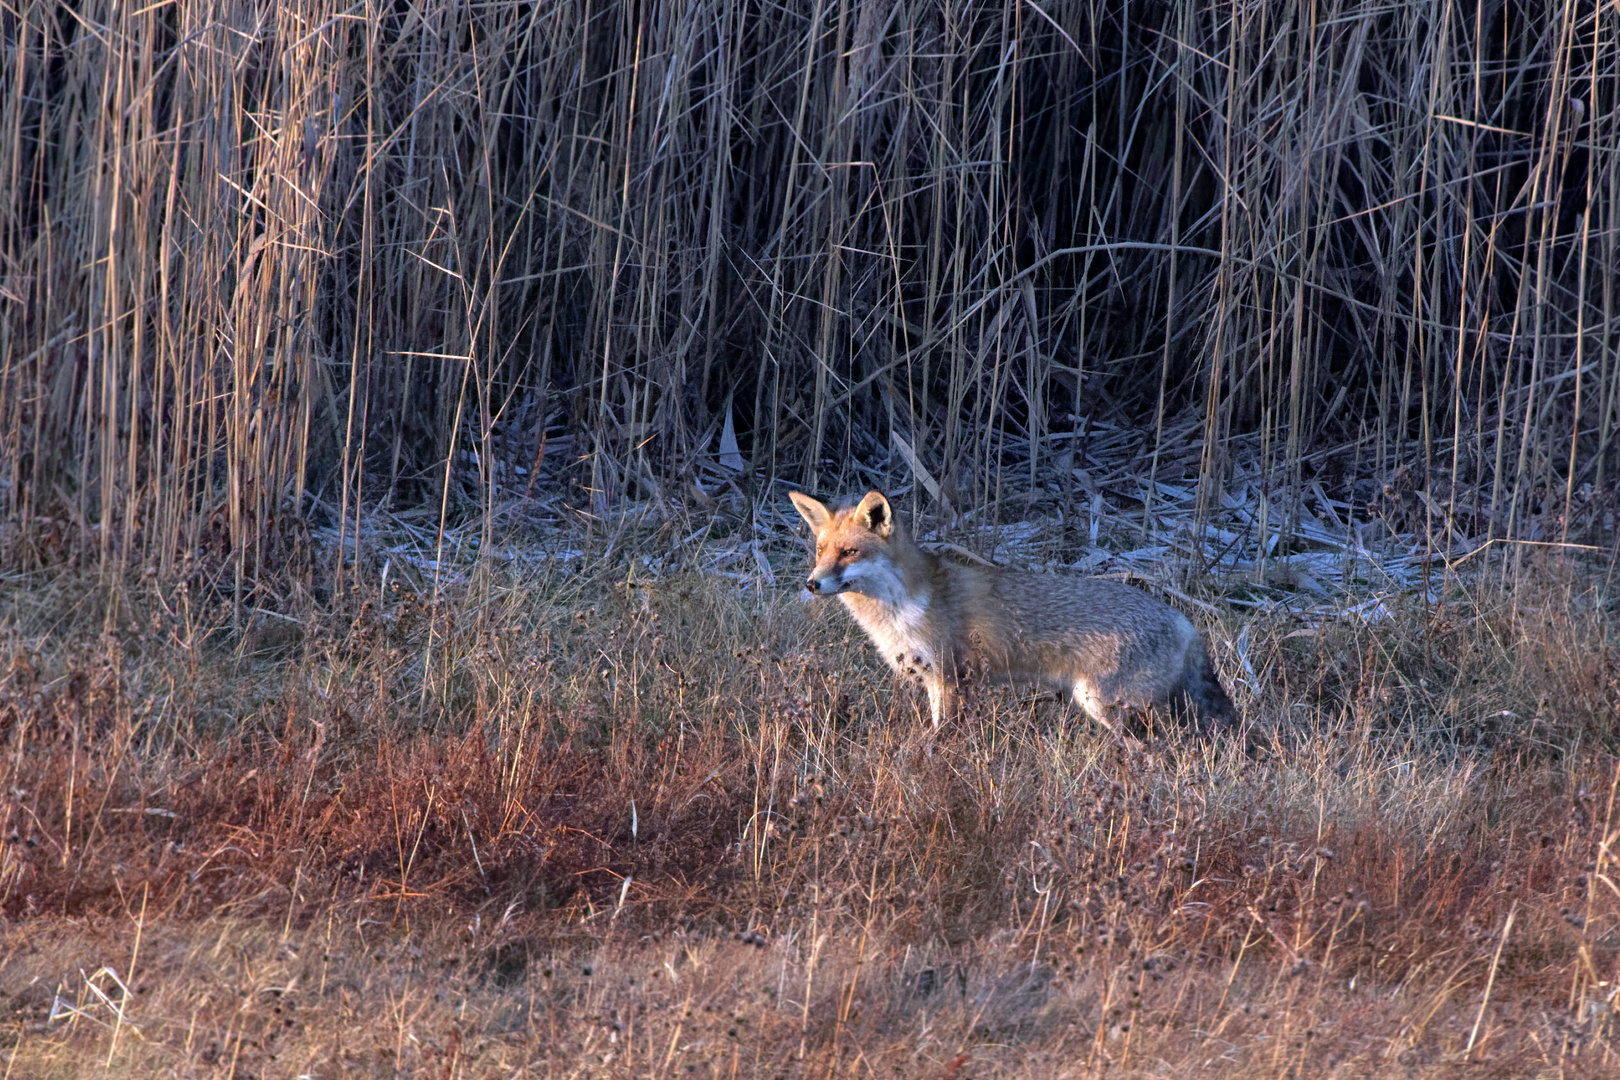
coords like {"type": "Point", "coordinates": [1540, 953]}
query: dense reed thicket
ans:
{"type": "Point", "coordinates": [264, 257]}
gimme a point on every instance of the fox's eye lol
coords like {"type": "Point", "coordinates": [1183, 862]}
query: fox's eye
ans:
{"type": "Point", "coordinates": [848, 553]}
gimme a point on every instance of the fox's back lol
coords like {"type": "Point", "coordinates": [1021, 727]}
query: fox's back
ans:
{"type": "Point", "coordinates": [1057, 627]}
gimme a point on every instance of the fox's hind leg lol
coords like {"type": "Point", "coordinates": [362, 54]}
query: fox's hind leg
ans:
{"type": "Point", "coordinates": [1090, 699]}
{"type": "Point", "coordinates": [1085, 696]}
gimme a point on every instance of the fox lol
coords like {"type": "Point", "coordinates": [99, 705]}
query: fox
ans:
{"type": "Point", "coordinates": [1107, 646]}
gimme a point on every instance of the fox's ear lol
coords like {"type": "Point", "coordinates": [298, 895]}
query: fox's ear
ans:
{"type": "Point", "coordinates": [814, 513]}
{"type": "Point", "coordinates": [875, 514]}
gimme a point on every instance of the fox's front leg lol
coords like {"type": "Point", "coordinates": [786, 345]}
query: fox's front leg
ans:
{"type": "Point", "coordinates": [942, 698]}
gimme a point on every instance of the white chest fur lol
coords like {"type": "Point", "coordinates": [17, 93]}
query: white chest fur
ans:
{"type": "Point", "coordinates": [899, 631]}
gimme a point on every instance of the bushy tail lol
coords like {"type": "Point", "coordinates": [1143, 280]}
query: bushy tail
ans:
{"type": "Point", "coordinates": [1204, 691]}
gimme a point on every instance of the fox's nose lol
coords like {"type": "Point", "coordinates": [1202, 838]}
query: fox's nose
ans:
{"type": "Point", "coordinates": [811, 584]}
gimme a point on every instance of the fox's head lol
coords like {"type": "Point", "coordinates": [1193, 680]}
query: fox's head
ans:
{"type": "Point", "coordinates": [854, 547]}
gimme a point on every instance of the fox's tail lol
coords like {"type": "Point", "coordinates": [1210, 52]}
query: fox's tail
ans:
{"type": "Point", "coordinates": [1205, 693]}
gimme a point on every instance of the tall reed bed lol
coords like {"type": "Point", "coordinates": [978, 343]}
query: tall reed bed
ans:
{"type": "Point", "coordinates": [263, 259]}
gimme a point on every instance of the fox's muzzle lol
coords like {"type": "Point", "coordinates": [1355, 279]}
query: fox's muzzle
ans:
{"type": "Point", "coordinates": [823, 584]}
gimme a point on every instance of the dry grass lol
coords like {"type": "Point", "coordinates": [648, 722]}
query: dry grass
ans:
{"type": "Point", "coordinates": [609, 824]}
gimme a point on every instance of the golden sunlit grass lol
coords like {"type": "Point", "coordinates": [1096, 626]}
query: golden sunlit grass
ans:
{"type": "Point", "coordinates": [677, 826]}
